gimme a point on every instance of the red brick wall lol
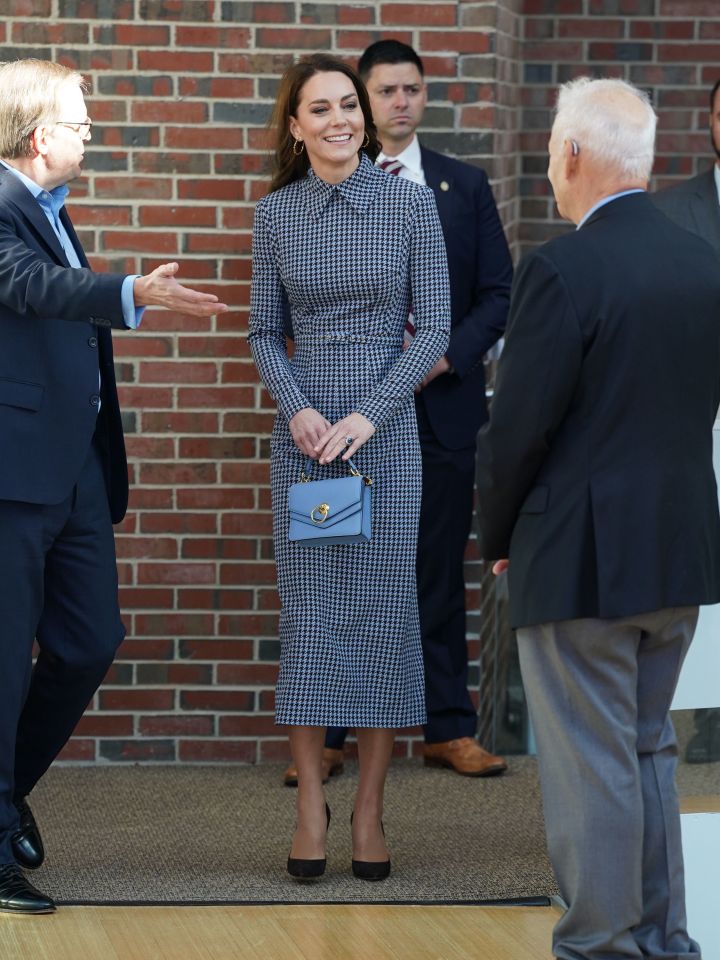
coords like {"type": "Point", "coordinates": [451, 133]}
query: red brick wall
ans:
{"type": "Point", "coordinates": [671, 48]}
{"type": "Point", "coordinates": [181, 90]}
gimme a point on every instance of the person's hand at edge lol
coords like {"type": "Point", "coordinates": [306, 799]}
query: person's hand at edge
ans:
{"type": "Point", "coordinates": [500, 566]}
{"type": "Point", "coordinates": [442, 366]}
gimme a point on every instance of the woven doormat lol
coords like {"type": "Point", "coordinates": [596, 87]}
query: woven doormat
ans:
{"type": "Point", "coordinates": [221, 834]}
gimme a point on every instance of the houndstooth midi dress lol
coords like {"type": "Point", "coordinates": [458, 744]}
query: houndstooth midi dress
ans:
{"type": "Point", "coordinates": [351, 258]}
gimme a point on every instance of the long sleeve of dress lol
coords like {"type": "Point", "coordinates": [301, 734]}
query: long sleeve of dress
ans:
{"type": "Point", "coordinates": [266, 329]}
{"type": "Point", "coordinates": [430, 287]}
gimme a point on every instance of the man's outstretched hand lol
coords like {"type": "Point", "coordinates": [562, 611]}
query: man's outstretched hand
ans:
{"type": "Point", "coordinates": [161, 289]}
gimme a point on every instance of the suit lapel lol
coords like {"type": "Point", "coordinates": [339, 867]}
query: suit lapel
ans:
{"type": "Point", "coordinates": [706, 210]}
{"type": "Point", "coordinates": [16, 193]}
{"type": "Point", "coordinates": [441, 184]}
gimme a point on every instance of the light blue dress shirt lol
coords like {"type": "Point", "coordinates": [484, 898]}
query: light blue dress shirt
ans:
{"type": "Point", "coordinates": [51, 203]}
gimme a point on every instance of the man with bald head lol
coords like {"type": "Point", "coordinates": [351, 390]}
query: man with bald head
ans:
{"type": "Point", "coordinates": [597, 494]}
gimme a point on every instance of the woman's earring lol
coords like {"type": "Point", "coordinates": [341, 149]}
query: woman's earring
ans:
{"type": "Point", "coordinates": [366, 141]}
{"type": "Point", "coordinates": [295, 149]}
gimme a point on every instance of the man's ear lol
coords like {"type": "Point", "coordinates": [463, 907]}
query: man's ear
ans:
{"type": "Point", "coordinates": [39, 141]}
{"type": "Point", "coordinates": [571, 156]}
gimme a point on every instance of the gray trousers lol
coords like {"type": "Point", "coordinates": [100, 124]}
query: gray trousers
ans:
{"type": "Point", "coordinates": [599, 695]}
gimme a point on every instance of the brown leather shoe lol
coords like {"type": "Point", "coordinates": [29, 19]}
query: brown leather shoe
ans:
{"type": "Point", "coordinates": [464, 756]}
{"type": "Point", "coordinates": [332, 765]}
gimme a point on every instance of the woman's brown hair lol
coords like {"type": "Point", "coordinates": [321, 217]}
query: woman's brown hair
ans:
{"type": "Point", "coordinates": [288, 165]}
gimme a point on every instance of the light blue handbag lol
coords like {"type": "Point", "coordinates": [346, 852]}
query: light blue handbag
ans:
{"type": "Point", "coordinates": [325, 512]}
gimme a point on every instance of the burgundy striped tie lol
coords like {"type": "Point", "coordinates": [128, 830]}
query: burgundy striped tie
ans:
{"type": "Point", "coordinates": [395, 166]}
{"type": "Point", "coordinates": [391, 166]}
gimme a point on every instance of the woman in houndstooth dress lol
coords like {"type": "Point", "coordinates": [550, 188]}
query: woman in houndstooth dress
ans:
{"type": "Point", "coordinates": [350, 247]}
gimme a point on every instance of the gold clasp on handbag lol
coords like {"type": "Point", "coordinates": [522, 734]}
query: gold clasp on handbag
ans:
{"type": "Point", "coordinates": [323, 509]}
{"type": "Point", "coordinates": [356, 473]}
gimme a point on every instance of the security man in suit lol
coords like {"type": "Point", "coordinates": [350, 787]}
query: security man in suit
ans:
{"type": "Point", "coordinates": [596, 485]}
{"type": "Point", "coordinates": [63, 480]}
{"type": "Point", "coordinates": [450, 403]}
{"type": "Point", "coordinates": [695, 205]}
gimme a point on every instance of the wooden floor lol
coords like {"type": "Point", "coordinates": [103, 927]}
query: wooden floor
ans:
{"type": "Point", "coordinates": [709, 804]}
{"type": "Point", "coordinates": [281, 933]}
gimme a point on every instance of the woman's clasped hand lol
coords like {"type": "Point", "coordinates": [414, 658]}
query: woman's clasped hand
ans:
{"type": "Point", "coordinates": [320, 440]}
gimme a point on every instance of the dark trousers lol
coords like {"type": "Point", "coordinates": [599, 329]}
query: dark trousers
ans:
{"type": "Point", "coordinates": [445, 518]}
{"type": "Point", "coordinates": [58, 585]}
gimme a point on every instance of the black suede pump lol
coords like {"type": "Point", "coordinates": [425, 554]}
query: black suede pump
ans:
{"type": "Point", "coordinates": [371, 869]}
{"type": "Point", "coordinates": [301, 869]}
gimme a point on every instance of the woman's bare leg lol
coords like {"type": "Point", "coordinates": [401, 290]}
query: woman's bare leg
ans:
{"type": "Point", "coordinates": [306, 746]}
{"type": "Point", "coordinates": [374, 753]}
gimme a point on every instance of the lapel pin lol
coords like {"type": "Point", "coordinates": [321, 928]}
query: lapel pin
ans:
{"type": "Point", "coordinates": [444, 185]}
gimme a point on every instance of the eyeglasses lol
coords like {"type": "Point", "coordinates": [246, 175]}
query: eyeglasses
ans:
{"type": "Point", "coordinates": [82, 129]}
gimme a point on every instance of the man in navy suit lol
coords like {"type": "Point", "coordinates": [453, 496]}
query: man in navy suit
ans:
{"type": "Point", "coordinates": [695, 203]}
{"type": "Point", "coordinates": [63, 480]}
{"type": "Point", "coordinates": [450, 403]}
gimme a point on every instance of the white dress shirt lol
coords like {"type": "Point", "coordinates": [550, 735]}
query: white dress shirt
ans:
{"type": "Point", "coordinates": [411, 159]}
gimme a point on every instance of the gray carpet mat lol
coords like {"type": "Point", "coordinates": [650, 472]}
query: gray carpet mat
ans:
{"type": "Point", "coordinates": [221, 834]}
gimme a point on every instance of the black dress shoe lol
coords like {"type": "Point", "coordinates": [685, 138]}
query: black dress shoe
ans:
{"type": "Point", "coordinates": [313, 869]}
{"type": "Point", "coordinates": [27, 845]}
{"type": "Point", "coordinates": [18, 895]}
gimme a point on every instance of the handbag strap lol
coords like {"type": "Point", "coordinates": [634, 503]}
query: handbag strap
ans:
{"type": "Point", "coordinates": [310, 463]}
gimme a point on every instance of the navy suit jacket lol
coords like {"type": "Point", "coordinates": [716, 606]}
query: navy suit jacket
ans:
{"type": "Point", "coordinates": [480, 270]}
{"type": "Point", "coordinates": [54, 337]}
{"type": "Point", "coordinates": [595, 473]}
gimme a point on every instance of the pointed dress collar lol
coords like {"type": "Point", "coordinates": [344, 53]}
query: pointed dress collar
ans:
{"type": "Point", "coordinates": [358, 190]}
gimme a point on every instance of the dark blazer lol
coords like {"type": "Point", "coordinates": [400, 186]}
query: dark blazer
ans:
{"type": "Point", "coordinates": [693, 204]}
{"type": "Point", "coordinates": [480, 277]}
{"type": "Point", "coordinates": [54, 337]}
{"type": "Point", "coordinates": [595, 472]}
